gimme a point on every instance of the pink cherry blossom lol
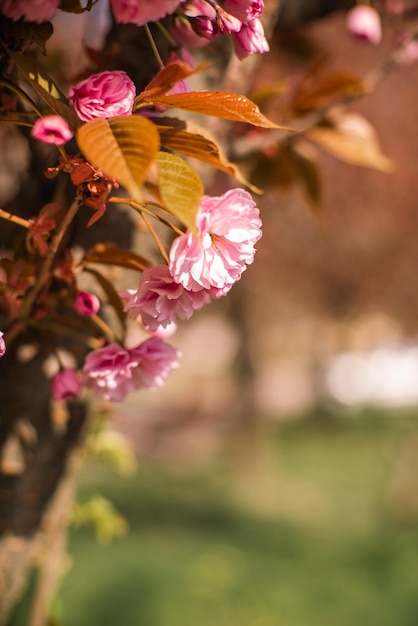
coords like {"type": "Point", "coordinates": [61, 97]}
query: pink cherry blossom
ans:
{"type": "Point", "coordinates": [250, 40]}
{"type": "Point", "coordinates": [2, 345]}
{"type": "Point", "coordinates": [86, 303]}
{"type": "Point", "coordinates": [31, 10]}
{"type": "Point", "coordinates": [156, 360]}
{"type": "Point", "coordinates": [66, 385]}
{"type": "Point", "coordinates": [228, 228]}
{"type": "Point", "coordinates": [159, 299]}
{"type": "Point", "coordinates": [364, 23]}
{"type": "Point", "coordinates": [103, 95]}
{"type": "Point", "coordinates": [52, 129]}
{"type": "Point", "coordinates": [140, 12]}
{"type": "Point", "coordinates": [244, 10]}
{"type": "Point", "coordinates": [116, 371]}
{"type": "Point", "coordinates": [165, 331]}
{"type": "Point", "coordinates": [228, 23]}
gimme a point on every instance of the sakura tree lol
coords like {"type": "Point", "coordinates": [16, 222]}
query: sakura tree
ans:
{"type": "Point", "coordinates": [105, 141]}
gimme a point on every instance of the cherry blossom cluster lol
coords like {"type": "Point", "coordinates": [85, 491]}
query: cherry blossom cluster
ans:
{"type": "Point", "coordinates": [193, 23]}
{"type": "Point", "coordinates": [203, 263]}
{"type": "Point", "coordinates": [197, 22]}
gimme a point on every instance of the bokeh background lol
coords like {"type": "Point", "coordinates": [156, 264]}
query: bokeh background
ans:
{"type": "Point", "coordinates": [277, 472]}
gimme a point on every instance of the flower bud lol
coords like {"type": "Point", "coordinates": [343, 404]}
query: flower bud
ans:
{"type": "Point", "coordinates": [52, 129]}
{"type": "Point", "coordinates": [364, 23]}
{"type": "Point", "coordinates": [86, 303]}
{"type": "Point", "coordinates": [66, 385]}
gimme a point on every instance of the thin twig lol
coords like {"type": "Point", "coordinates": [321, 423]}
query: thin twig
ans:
{"type": "Point", "coordinates": [155, 237]}
{"type": "Point", "coordinates": [45, 270]}
{"type": "Point", "coordinates": [153, 46]}
{"type": "Point", "coordinates": [140, 207]}
{"type": "Point", "coordinates": [14, 218]}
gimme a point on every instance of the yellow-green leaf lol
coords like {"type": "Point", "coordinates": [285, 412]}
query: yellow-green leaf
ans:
{"type": "Point", "coordinates": [45, 87]}
{"type": "Point", "coordinates": [180, 188]}
{"type": "Point", "coordinates": [122, 147]}
{"type": "Point", "coordinates": [229, 106]}
{"type": "Point", "coordinates": [194, 141]}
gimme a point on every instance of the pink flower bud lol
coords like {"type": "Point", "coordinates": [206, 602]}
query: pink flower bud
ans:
{"type": "Point", "coordinates": [2, 344]}
{"type": "Point", "coordinates": [140, 12]}
{"type": "Point", "coordinates": [197, 26]}
{"type": "Point", "coordinates": [410, 52]}
{"type": "Point", "coordinates": [86, 303]}
{"type": "Point", "coordinates": [103, 95]}
{"type": "Point", "coordinates": [364, 23]}
{"type": "Point", "coordinates": [31, 10]}
{"type": "Point", "coordinates": [52, 129]}
{"type": "Point", "coordinates": [66, 385]}
{"type": "Point", "coordinates": [250, 40]}
{"type": "Point", "coordinates": [204, 27]}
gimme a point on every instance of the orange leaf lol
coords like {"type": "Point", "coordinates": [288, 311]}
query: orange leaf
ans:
{"type": "Point", "coordinates": [167, 78]}
{"type": "Point", "coordinates": [317, 91]}
{"type": "Point", "coordinates": [109, 254]}
{"type": "Point", "coordinates": [351, 138]}
{"type": "Point", "coordinates": [229, 106]}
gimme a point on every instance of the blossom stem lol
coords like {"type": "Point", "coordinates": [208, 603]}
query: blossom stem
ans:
{"type": "Point", "coordinates": [155, 237]}
{"type": "Point", "coordinates": [141, 208]}
{"type": "Point", "coordinates": [153, 46]}
{"type": "Point", "coordinates": [17, 122]}
{"type": "Point", "coordinates": [14, 218]}
{"type": "Point", "coordinates": [22, 94]}
{"type": "Point", "coordinates": [166, 34]}
{"type": "Point", "coordinates": [100, 323]}
{"type": "Point", "coordinates": [45, 270]}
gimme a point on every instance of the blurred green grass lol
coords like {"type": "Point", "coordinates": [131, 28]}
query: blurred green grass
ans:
{"type": "Point", "coordinates": [319, 528]}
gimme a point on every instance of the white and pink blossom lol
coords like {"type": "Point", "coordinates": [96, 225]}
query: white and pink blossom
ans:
{"type": "Point", "coordinates": [2, 344]}
{"type": "Point", "coordinates": [66, 385]}
{"type": "Point", "coordinates": [227, 229]}
{"type": "Point", "coordinates": [115, 371]}
{"type": "Point", "coordinates": [52, 129]}
{"type": "Point", "coordinates": [106, 94]}
{"type": "Point", "coordinates": [30, 10]}
{"type": "Point", "coordinates": [250, 40]}
{"type": "Point", "coordinates": [363, 22]}
{"type": "Point", "coordinates": [140, 12]}
{"type": "Point", "coordinates": [159, 300]}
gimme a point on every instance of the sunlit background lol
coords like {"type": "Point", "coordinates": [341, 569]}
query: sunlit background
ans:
{"type": "Point", "coordinates": [277, 472]}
